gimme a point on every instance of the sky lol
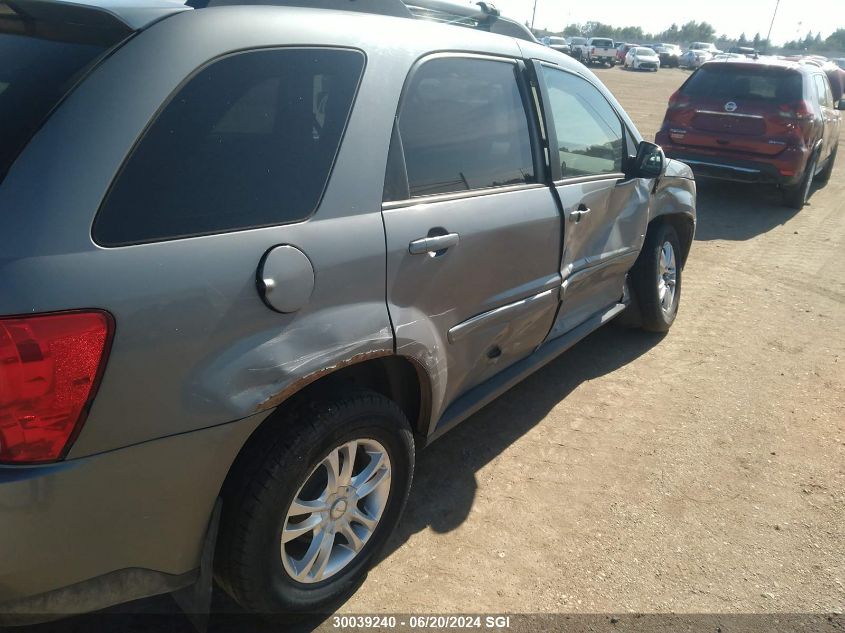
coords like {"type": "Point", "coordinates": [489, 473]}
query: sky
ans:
{"type": "Point", "coordinates": [730, 17]}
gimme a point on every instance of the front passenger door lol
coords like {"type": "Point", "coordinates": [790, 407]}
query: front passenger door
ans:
{"type": "Point", "coordinates": [605, 215]}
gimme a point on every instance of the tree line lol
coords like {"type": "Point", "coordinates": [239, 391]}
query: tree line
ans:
{"type": "Point", "coordinates": [699, 32]}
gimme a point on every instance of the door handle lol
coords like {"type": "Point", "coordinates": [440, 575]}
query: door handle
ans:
{"type": "Point", "coordinates": [433, 244]}
{"type": "Point", "coordinates": [579, 213]}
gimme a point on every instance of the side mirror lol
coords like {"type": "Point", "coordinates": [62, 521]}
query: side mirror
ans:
{"type": "Point", "coordinates": [841, 105]}
{"type": "Point", "coordinates": [649, 161]}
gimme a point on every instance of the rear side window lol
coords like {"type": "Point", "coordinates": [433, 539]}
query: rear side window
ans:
{"type": "Point", "coordinates": [729, 82]}
{"type": "Point", "coordinates": [463, 126]}
{"type": "Point", "coordinates": [38, 66]}
{"type": "Point", "coordinates": [249, 141]}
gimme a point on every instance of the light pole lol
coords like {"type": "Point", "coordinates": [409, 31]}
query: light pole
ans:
{"type": "Point", "coordinates": [774, 15]}
{"type": "Point", "coordinates": [534, 14]}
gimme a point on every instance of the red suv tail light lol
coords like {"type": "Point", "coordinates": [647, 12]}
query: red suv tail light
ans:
{"type": "Point", "coordinates": [678, 101]}
{"type": "Point", "coordinates": [801, 111]}
{"type": "Point", "coordinates": [49, 369]}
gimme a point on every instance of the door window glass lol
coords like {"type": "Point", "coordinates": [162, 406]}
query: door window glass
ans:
{"type": "Point", "coordinates": [589, 133]}
{"type": "Point", "coordinates": [463, 127]}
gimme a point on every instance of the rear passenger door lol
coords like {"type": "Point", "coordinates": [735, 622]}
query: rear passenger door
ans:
{"type": "Point", "coordinates": [605, 214]}
{"type": "Point", "coordinates": [473, 236]}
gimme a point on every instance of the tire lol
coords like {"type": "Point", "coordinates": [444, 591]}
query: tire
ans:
{"type": "Point", "coordinates": [824, 175]}
{"type": "Point", "coordinates": [796, 196]}
{"type": "Point", "coordinates": [290, 460]}
{"type": "Point", "coordinates": [655, 313]}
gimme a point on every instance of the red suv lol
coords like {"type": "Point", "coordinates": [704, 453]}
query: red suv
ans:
{"type": "Point", "coordinates": [766, 121]}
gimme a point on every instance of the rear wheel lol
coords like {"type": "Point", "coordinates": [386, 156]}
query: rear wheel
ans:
{"type": "Point", "coordinates": [315, 500]}
{"type": "Point", "coordinates": [796, 196]}
{"type": "Point", "coordinates": [824, 175]}
{"type": "Point", "coordinates": [656, 279]}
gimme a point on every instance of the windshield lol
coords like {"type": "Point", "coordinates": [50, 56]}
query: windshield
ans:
{"type": "Point", "coordinates": [645, 52]}
{"type": "Point", "coordinates": [739, 82]}
{"type": "Point", "coordinates": [38, 66]}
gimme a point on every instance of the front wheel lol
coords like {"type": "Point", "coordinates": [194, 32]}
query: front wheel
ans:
{"type": "Point", "coordinates": [318, 496]}
{"type": "Point", "coordinates": [656, 279]}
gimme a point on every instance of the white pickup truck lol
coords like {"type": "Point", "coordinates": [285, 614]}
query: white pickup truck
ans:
{"type": "Point", "coordinates": [601, 50]}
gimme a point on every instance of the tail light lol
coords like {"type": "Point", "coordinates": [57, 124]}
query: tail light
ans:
{"type": "Point", "coordinates": [678, 101]}
{"type": "Point", "coordinates": [49, 369]}
{"type": "Point", "coordinates": [801, 111]}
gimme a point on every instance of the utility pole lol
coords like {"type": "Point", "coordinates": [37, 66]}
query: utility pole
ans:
{"type": "Point", "coordinates": [534, 14]}
{"type": "Point", "coordinates": [774, 15]}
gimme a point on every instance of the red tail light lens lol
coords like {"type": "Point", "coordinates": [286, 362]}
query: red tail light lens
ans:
{"type": "Point", "coordinates": [801, 111]}
{"type": "Point", "coordinates": [678, 101]}
{"type": "Point", "coordinates": [49, 368]}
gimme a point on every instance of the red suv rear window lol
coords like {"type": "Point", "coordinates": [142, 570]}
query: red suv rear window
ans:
{"type": "Point", "coordinates": [39, 64]}
{"type": "Point", "coordinates": [731, 82]}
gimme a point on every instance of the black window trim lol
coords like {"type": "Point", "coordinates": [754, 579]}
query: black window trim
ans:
{"type": "Point", "coordinates": [520, 76]}
{"type": "Point", "coordinates": [155, 117]}
{"type": "Point", "coordinates": [557, 179]}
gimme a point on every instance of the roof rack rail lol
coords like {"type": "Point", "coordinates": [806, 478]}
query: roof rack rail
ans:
{"type": "Point", "coordinates": [483, 16]}
{"type": "Point", "coordinates": [392, 8]}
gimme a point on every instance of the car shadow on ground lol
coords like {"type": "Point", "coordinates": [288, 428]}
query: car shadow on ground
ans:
{"type": "Point", "coordinates": [738, 212]}
{"type": "Point", "coordinates": [444, 481]}
{"type": "Point", "coordinates": [442, 496]}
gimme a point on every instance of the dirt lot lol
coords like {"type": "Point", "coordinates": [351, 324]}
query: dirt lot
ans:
{"type": "Point", "coordinates": [700, 472]}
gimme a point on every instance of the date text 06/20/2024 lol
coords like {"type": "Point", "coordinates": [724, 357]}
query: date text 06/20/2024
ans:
{"type": "Point", "coordinates": [421, 622]}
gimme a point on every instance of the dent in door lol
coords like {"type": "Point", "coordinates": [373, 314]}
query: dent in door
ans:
{"type": "Point", "coordinates": [602, 247]}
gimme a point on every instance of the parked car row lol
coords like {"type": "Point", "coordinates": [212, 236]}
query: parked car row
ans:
{"type": "Point", "coordinates": [604, 51]}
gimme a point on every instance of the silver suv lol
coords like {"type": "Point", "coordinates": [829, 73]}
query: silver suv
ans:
{"type": "Point", "coordinates": [253, 255]}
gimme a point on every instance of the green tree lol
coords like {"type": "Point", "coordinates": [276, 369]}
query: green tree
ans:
{"type": "Point", "coordinates": [836, 40]}
{"type": "Point", "coordinates": [571, 30]}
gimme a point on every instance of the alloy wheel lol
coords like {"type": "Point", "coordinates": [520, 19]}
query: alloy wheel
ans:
{"type": "Point", "coordinates": [667, 277]}
{"type": "Point", "coordinates": [336, 511]}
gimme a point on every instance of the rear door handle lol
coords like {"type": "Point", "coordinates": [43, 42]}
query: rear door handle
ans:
{"type": "Point", "coordinates": [579, 213]}
{"type": "Point", "coordinates": [433, 244]}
